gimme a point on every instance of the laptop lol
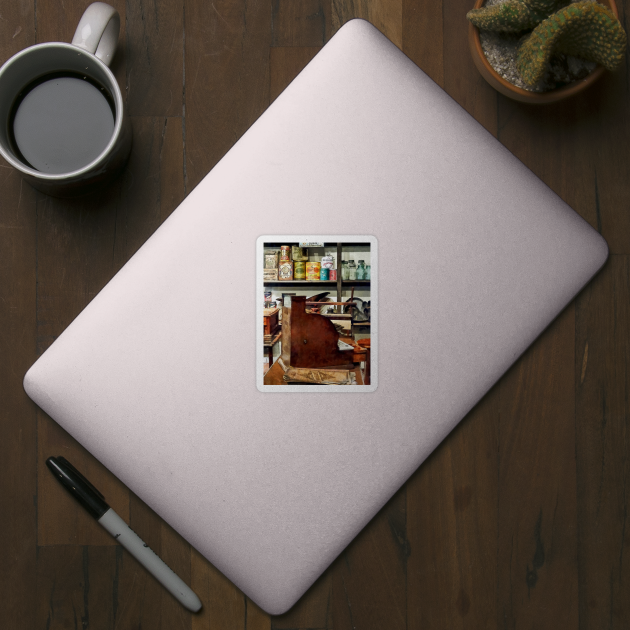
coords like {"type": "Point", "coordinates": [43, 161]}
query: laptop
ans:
{"type": "Point", "coordinates": [159, 376]}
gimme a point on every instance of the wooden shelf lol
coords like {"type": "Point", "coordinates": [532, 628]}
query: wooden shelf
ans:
{"type": "Point", "coordinates": [339, 284]}
{"type": "Point", "coordinates": [288, 283]}
{"type": "Point", "coordinates": [270, 283]}
{"type": "Point", "coordinates": [327, 245]}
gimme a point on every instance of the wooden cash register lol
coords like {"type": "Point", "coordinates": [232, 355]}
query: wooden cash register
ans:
{"type": "Point", "coordinates": [312, 351]}
{"type": "Point", "coordinates": [310, 340]}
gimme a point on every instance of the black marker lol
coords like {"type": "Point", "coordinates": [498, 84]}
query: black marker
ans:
{"type": "Point", "coordinates": [94, 502]}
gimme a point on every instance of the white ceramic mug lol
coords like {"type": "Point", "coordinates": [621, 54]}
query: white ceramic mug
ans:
{"type": "Point", "coordinates": [88, 57]}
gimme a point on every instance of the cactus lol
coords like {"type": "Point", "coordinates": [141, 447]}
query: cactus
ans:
{"type": "Point", "coordinates": [513, 16]}
{"type": "Point", "coordinates": [584, 29]}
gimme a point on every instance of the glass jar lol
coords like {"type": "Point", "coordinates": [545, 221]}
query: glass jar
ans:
{"type": "Point", "coordinates": [352, 270]}
{"type": "Point", "coordinates": [368, 272]}
{"type": "Point", "coordinates": [344, 269]}
{"type": "Point", "coordinates": [361, 270]}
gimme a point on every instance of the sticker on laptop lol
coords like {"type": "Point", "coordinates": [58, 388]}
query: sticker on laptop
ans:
{"type": "Point", "coordinates": [316, 313]}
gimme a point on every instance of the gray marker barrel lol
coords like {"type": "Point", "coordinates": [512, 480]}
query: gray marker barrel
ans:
{"type": "Point", "coordinates": [149, 559]}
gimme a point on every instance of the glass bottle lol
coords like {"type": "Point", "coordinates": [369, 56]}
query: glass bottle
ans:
{"type": "Point", "coordinates": [361, 270]}
{"type": "Point", "coordinates": [352, 270]}
{"type": "Point", "coordinates": [344, 269]}
{"type": "Point", "coordinates": [368, 272]}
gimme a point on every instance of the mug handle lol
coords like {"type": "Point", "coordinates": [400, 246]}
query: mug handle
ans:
{"type": "Point", "coordinates": [98, 30]}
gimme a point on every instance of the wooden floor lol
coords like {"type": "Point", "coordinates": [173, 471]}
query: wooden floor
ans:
{"type": "Point", "coordinates": [518, 520]}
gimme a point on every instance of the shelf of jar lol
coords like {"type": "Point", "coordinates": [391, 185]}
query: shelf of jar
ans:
{"type": "Point", "coordinates": [269, 283]}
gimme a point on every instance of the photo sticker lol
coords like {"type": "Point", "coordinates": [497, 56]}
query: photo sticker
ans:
{"type": "Point", "coordinates": [316, 313]}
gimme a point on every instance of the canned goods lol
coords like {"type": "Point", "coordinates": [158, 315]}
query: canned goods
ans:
{"type": "Point", "coordinates": [299, 271]}
{"type": "Point", "coordinates": [298, 253]}
{"type": "Point", "coordinates": [323, 274]}
{"type": "Point", "coordinates": [328, 262]}
{"type": "Point", "coordinates": [285, 271]}
{"type": "Point", "coordinates": [271, 260]}
{"type": "Point", "coordinates": [312, 271]}
{"type": "Point", "coordinates": [285, 252]}
{"type": "Point", "coordinates": [333, 274]}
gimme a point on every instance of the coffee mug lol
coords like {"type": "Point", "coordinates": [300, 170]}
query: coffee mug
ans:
{"type": "Point", "coordinates": [62, 114]}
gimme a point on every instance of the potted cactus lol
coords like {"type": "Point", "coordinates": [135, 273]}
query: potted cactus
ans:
{"type": "Point", "coordinates": [558, 49]}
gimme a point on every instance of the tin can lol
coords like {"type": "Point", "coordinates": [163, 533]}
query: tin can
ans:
{"type": "Point", "coordinates": [323, 273]}
{"type": "Point", "coordinates": [271, 260]}
{"type": "Point", "coordinates": [267, 296]}
{"type": "Point", "coordinates": [285, 271]}
{"type": "Point", "coordinates": [299, 270]}
{"type": "Point", "coordinates": [328, 262]}
{"type": "Point", "coordinates": [298, 254]}
{"type": "Point", "coordinates": [312, 271]}
{"type": "Point", "coordinates": [333, 274]}
{"type": "Point", "coordinates": [285, 253]}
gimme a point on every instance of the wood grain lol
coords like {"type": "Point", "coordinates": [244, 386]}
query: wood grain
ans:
{"type": "Point", "coordinates": [602, 380]}
{"type": "Point", "coordinates": [386, 15]}
{"type": "Point", "coordinates": [537, 510]}
{"type": "Point", "coordinates": [452, 514]}
{"type": "Point", "coordinates": [226, 78]}
{"type": "Point", "coordinates": [18, 416]}
{"type": "Point", "coordinates": [285, 64]}
{"type": "Point", "coordinates": [76, 587]}
{"type": "Point", "coordinates": [305, 23]}
{"type": "Point", "coordinates": [422, 36]}
{"type": "Point", "coordinates": [369, 577]}
{"type": "Point", "coordinates": [154, 57]}
{"type": "Point", "coordinates": [462, 81]}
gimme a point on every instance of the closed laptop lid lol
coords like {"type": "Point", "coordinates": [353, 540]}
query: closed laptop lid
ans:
{"type": "Point", "coordinates": [157, 378]}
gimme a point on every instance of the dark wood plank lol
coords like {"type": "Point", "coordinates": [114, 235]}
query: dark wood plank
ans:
{"type": "Point", "coordinates": [369, 577]}
{"type": "Point", "coordinates": [537, 537]}
{"type": "Point", "coordinates": [558, 147]}
{"type": "Point", "coordinates": [226, 78]}
{"type": "Point", "coordinates": [76, 587]}
{"type": "Point", "coordinates": [603, 443]}
{"type": "Point", "coordinates": [18, 421]}
{"type": "Point", "coordinates": [285, 64]}
{"type": "Point", "coordinates": [461, 78]}
{"type": "Point", "coordinates": [313, 609]}
{"type": "Point", "coordinates": [304, 23]}
{"type": "Point", "coordinates": [608, 126]}
{"type": "Point", "coordinates": [154, 57]}
{"type": "Point", "coordinates": [422, 36]}
{"type": "Point", "coordinates": [576, 148]}
{"type": "Point", "coordinates": [452, 527]}
{"type": "Point", "coordinates": [18, 415]}
{"type": "Point", "coordinates": [386, 15]}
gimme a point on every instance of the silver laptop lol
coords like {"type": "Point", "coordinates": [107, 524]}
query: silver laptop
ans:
{"type": "Point", "coordinates": [476, 256]}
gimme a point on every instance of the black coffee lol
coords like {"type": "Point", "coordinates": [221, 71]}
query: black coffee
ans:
{"type": "Point", "coordinates": [61, 123]}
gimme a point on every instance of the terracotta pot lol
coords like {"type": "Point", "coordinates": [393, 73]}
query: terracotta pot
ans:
{"type": "Point", "coordinates": [518, 94]}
